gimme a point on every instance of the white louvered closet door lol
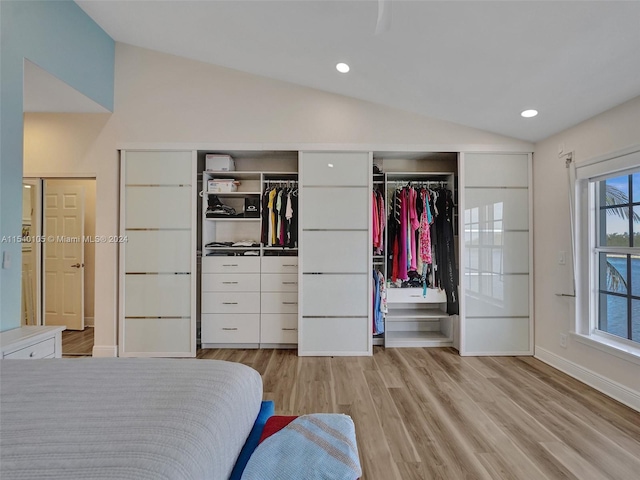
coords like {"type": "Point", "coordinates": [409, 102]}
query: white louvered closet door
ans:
{"type": "Point", "coordinates": [496, 312]}
{"type": "Point", "coordinates": [157, 258]}
{"type": "Point", "coordinates": [334, 276]}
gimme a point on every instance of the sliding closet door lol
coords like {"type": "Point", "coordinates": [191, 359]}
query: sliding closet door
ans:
{"type": "Point", "coordinates": [335, 281]}
{"type": "Point", "coordinates": [497, 316]}
{"type": "Point", "coordinates": [157, 254]}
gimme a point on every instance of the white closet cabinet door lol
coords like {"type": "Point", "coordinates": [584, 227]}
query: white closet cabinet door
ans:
{"type": "Point", "coordinates": [146, 336]}
{"type": "Point", "coordinates": [335, 295]}
{"type": "Point", "coordinates": [157, 262]}
{"type": "Point", "coordinates": [158, 207]}
{"type": "Point", "coordinates": [158, 251]}
{"type": "Point", "coordinates": [505, 170]}
{"type": "Point", "coordinates": [334, 336]}
{"type": "Point", "coordinates": [157, 295]}
{"type": "Point", "coordinates": [335, 208]}
{"type": "Point", "coordinates": [331, 168]}
{"type": "Point", "coordinates": [158, 168]}
{"type": "Point", "coordinates": [496, 257]}
{"type": "Point", "coordinates": [333, 252]}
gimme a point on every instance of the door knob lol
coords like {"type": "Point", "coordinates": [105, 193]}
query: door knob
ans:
{"type": "Point", "coordinates": [77, 265]}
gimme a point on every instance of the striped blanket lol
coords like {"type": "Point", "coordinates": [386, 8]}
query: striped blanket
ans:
{"type": "Point", "coordinates": [321, 446]}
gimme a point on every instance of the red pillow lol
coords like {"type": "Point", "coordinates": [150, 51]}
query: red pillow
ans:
{"type": "Point", "coordinates": [275, 424]}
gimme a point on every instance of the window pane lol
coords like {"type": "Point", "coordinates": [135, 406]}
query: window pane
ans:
{"type": "Point", "coordinates": [613, 315]}
{"type": "Point", "coordinates": [636, 187]}
{"type": "Point", "coordinates": [616, 190]}
{"type": "Point", "coordinates": [635, 275]}
{"type": "Point", "coordinates": [635, 321]}
{"type": "Point", "coordinates": [613, 273]}
{"type": "Point", "coordinates": [614, 227]}
{"type": "Point", "coordinates": [636, 226]}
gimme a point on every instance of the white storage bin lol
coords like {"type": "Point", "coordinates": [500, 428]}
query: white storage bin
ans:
{"type": "Point", "coordinates": [219, 163]}
{"type": "Point", "coordinates": [222, 186]}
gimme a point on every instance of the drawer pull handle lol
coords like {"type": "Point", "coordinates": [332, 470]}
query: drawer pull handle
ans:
{"type": "Point", "coordinates": [289, 265]}
{"type": "Point", "coordinates": [289, 303]}
{"type": "Point", "coordinates": [289, 283]}
{"type": "Point", "coordinates": [224, 328]}
{"type": "Point", "coordinates": [416, 296]}
{"type": "Point", "coordinates": [229, 303]}
{"type": "Point", "coordinates": [229, 283]}
{"type": "Point", "coordinates": [32, 354]}
{"type": "Point", "coordinates": [229, 264]}
{"type": "Point", "coordinates": [290, 329]}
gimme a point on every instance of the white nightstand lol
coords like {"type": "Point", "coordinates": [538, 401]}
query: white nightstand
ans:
{"type": "Point", "coordinates": [31, 342]}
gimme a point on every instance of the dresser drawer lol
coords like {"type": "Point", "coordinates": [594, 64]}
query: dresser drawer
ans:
{"type": "Point", "coordinates": [414, 295]}
{"type": "Point", "coordinates": [233, 282]}
{"type": "Point", "coordinates": [230, 264]}
{"type": "Point", "coordinates": [279, 302]}
{"type": "Point", "coordinates": [279, 282]}
{"type": "Point", "coordinates": [279, 264]}
{"type": "Point", "coordinates": [230, 328]}
{"type": "Point", "coordinates": [279, 328]}
{"type": "Point", "coordinates": [42, 349]}
{"type": "Point", "coordinates": [217, 302]}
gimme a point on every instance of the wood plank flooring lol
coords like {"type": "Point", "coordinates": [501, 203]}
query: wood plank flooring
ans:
{"type": "Point", "coordinates": [77, 342]}
{"type": "Point", "coordinates": [431, 414]}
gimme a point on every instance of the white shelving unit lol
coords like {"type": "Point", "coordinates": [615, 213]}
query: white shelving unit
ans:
{"type": "Point", "coordinates": [248, 293]}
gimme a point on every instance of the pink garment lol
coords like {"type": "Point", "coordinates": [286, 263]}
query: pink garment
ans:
{"type": "Point", "coordinates": [375, 221]}
{"type": "Point", "coordinates": [402, 247]}
{"type": "Point", "coordinates": [383, 220]}
{"type": "Point", "coordinates": [425, 231]}
{"type": "Point", "coordinates": [414, 225]}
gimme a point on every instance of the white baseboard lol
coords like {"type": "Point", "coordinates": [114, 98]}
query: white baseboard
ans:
{"type": "Point", "coordinates": [619, 392]}
{"type": "Point", "coordinates": [89, 322]}
{"type": "Point", "coordinates": [105, 351]}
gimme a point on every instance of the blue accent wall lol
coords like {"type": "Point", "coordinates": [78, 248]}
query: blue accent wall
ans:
{"type": "Point", "coordinates": [60, 38]}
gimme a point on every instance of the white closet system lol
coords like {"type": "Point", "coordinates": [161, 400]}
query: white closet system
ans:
{"type": "Point", "coordinates": [254, 301]}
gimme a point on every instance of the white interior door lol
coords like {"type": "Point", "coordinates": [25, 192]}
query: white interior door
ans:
{"type": "Point", "coordinates": [64, 255]}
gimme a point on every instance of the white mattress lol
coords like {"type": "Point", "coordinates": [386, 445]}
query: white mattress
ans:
{"type": "Point", "coordinates": [124, 418]}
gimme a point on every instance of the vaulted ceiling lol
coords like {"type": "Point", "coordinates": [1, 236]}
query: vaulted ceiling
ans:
{"type": "Point", "coordinates": [476, 63]}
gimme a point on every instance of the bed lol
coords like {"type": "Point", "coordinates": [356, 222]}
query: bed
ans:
{"type": "Point", "coordinates": [124, 418]}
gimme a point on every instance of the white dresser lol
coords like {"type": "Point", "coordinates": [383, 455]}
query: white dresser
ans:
{"type": "Point", "coordinates": [31, 342]}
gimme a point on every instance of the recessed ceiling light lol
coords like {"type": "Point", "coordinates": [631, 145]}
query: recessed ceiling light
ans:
{"type": "Point", "coordinates": [342, 67]}
{"type": "Point", "coordinates": [529, 113]}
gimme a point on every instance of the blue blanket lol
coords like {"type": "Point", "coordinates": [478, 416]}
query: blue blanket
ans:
{"type": "Point", "coordinates": [313, 447]}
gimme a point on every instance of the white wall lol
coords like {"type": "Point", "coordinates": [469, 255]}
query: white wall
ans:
{"type": "Point", "coordinates": [161, 98]}
{"type": "Point", "coordinates": [608, 132]}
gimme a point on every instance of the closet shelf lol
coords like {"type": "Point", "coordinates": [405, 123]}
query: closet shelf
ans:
{"type": "Point", "coordinates": [235, 174]}
{"type": "Point", "coordinates": [417, 339]}
{"type": "Point", "coordinates": [277, 249]}
{"type": "Point", "coordinates": [232, 194]}
{"type": "Point", "coordinates": [405, 313]}
{"type": "Point", "coordinates": [233, 219]}
{"type": "Point", "coordinates": [232, 248]}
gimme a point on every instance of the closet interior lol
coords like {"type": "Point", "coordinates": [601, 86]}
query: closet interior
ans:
{"type": "Point", "coordinates": [414, 244]}
{"type": "Point", "coordinates": [248, 249]}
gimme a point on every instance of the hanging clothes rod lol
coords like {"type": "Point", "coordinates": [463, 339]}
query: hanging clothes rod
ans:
{"type": "Point", "coordinates": [427, 183]}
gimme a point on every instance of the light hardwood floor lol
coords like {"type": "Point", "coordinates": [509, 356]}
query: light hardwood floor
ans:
{"type": "Point", "coordinates": [431, 414]}
{"type": "Point", "coordinates": [77, 342]}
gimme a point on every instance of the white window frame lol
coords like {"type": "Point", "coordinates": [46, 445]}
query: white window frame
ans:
{"type": "Point", "coordinates": [585, 175]}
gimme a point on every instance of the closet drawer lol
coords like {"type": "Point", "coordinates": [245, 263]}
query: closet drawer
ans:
{"type": "Point", "coordinates": [414, 295]}
{"type": "Point", "coordinates": [230, 264]}
{"type": "Point", "coordinates": [215, 302]}
{"type": "Point", "coordinates": [39, 350]}
{"type": "Point", "coordinates": [279, 264]}
{"type": "Point", "coordinates": [335, 168]}
{"type": "Point", "coordinates": [336, 295]}
{"type": "Point", "coordinates": [279, 303]}
{"type": "Point", "coordinates": [336, 252]}
{"type": "Point", "coordinates": [279, 328]}
{"type": "Point", "coordinates": [230, 328]}
{"type": "Point", "coordinates": [158, 207]}
{"type": "Point", "coordinates": [335, 208]}
{"type": "Point", "coordinates": [279, 282]}
{"type": "Point", "coordinates": [233, 282]}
